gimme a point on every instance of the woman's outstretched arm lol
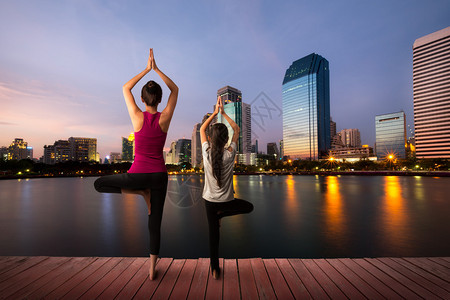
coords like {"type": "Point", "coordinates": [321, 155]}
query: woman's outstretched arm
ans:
{"type": "Point", "coordinates": [233, 125]}
{"type": "Point", "coordinates": [137, 118]}
{"type": "Point", "coordinates": [167, 113]}
{"type": "Point", "coordinates": [205, 124]}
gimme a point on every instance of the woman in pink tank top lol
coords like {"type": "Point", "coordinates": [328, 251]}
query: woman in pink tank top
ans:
{"type": "Point", "coordinates": [148, 175]}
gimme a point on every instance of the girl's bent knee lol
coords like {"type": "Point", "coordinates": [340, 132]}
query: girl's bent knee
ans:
{"type": "Point", "coordinates": [98, 184]}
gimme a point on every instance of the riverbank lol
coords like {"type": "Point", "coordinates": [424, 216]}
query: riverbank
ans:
{"type": "Point", "coordinates": [268, 173]}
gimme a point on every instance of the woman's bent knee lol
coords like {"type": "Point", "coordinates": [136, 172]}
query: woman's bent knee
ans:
{"type": "Point", "coordinates": [98, 184]}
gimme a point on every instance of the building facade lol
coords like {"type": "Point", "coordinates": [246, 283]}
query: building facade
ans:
{"type": "Point", "coordinates": [431, 84]}
{"type": "Point", "coordinates": [272, 149]}
{"type": "Point", "coordinates": [229, 94]}
{"type": "Point", "coordinates": [306, 108]}
{"type": "Point", "coordinates": [19, 149]}
{"type": "Point", "coordinates": [83, 149]}
{"type": "Point", "coordinates": [128, 148]}
{"type": "Point", "coordinates": [240, 113]}
{"type": "Point", "coordinates": [183, 151]}
{"type": "Point", "coordinates": [196, 146]}
{"type": "Point", "coordinates": [390, 132]}
{"type": "Point", "coordinates": [350, 138]}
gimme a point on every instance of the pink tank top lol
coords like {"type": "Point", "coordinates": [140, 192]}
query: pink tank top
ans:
{"type": "Point", "coordinates": [149, 143]}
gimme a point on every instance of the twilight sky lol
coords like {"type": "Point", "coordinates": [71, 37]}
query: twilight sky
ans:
{"type": "Point", "coordinates": [63, 63]}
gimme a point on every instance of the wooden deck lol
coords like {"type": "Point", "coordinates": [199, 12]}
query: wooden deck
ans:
{"type": "Point", "coordinates": [126, 278]}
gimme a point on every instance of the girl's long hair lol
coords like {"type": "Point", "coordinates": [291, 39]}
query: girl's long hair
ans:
{"type": "Point", "coordinates": [219, 138]}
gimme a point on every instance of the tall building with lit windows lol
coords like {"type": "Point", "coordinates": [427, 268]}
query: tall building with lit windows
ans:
{"type": "Point", "coordinates": [431, 83]}
{"type": "Point", "coordinates": [229, 94]}
{"type": "Point", "coordinates": [390, 132]}
{"type": "Point", "coordinates": [83, 149]}
{"type": "Point", "coordinates": [128, 148]}
{"type": "Point", "coordinates": [306, 108]}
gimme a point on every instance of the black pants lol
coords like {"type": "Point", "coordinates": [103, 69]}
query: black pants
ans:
{"type": "Point", "coordinates": [156, 182]}
{"type": "Point", "coordinates": [215, 211]}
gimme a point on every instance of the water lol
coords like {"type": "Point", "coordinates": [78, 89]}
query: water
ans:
{"type": "Point", "coordinates": [294, 216]}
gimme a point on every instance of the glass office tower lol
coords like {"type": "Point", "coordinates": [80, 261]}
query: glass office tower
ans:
{"type": "Point", "coordinates": [391, 135]}
{"type": "Point", "coordinates": [306, 108]}
{"type": "Point", "coordinates": [431, 82]}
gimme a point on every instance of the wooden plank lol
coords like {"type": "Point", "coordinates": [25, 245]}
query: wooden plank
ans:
{"type": "Point", "coordinates": [11, 262]}
{"type": "Point", "coordinates": [25, 278]}
{"type": "Point", "coordinates": [384, 265]}
{"type": "Point", "coordinates": [388, 280]}
{"type": "Point", "coordinates": [354, 279]}
{"type": "Point", "coordinates": [43, 280]}
{"type": "Point", "coordinates": [71, 268]}
{"type": "Point", "coordinates": [311, 284]}
{"type": "Point", "coordinates": [119, 283]}
{"type": "Point", "coordinates": [431, 267]}
{"type": "Point", "coordinates": [170, 278]}
{"type": "Point", "coordinates": [112, 275]}
{"type": "Point", "coordinates": [183, 284]}
{"type": "Point", "coordinates": [247, 280]}
{"type": "Point", "coordinates": [149, 287]}
{"type": "Point", "coordinates": [279, 284]}
{"type": "Point", "coordinates": [416, 278]}
{"type": "Point", "coordinates": [340, 281]}
{"type": "Point", "coordinates": [134, 284]}
{"type": "Point", "coordinates": [325, 282]}
{"type": "Point", "coordinates": [373, 281]}
{"type": "Point", "coordinates": [74, 281]}
{"type": "Point", "coordinates": [295, 284]}
{"type": "Point", "coordinates": [440, 261]}
{"type": "Point", "coordinates": [214, 289]}
{"type": "Point", "coordinates": [231, 288]}
{"type": "Point", "coordinates": [200, 280]}
{"type": "Point", "coordinates": [262, 281]}
{"type": "Point", "coordinates": [447, 259]}
{"type": "Point", "coordinates": [22, 265]}
{"type": "Point", "coordinates": [429, 276]}
{"type": "Point", "coordinates": [84, 285]}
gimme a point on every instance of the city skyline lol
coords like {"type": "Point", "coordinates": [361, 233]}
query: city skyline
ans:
{"type": "Point", "coordinates": [59, 79]}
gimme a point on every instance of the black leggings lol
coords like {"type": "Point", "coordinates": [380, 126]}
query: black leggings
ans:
{"type": "Point", "coordinates": [156, 182]}
{"type": "Point", "coordinates": [215, 211]}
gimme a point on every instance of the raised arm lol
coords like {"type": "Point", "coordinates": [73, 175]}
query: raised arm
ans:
{"type": "Point", "coordinates": [167, 113]}
{"type": "Point", "coordinates": [137, 118]}
{"type": "Point", "coordinates": [233, 125]}
{"type": "Point", "coordinates": [208, 121]}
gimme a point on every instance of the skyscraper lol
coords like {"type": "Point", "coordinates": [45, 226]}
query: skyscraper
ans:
{"type": "Point", "coordinates": [306, 108]}
{"type": "Point", "coordinates": [229, 94]}
{"type": "Point", "coordinates": [240, 113]}
{"type": "Point", "coordinates": [391, 135]}
{"type": "Point", "coordinates": [128, 148]}
{"type": "Point", "coordinates": [83, 149]}
{"type": "Point", "coordinates": [431, 83]}
{"type": "Point", "coordinates": [183, 151]}
{"type": "Point", "coordinates": [350, 137]}
{"type": "Point", "coordinates": [196, 146]}
{"type": "Point", "coordinates": [272, 149]}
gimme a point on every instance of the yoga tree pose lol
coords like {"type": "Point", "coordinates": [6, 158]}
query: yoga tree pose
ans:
{"type": "Point", "coordinates": [218, 162]}
{"type": "Point", "coordinates": [148, 175]}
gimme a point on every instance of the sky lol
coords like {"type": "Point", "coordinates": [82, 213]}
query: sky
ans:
{"type": "Point", "coordinates": [63, 63]}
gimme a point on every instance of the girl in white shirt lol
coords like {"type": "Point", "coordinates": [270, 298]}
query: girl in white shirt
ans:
{"type": "Point", "coordinates": [218, 163]}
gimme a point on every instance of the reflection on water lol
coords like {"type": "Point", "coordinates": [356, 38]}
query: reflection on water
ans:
{"type": "Point", "coordinates": [294, 216]}
{"type": "Point", "coordinates": [394, 214]}
{"type": "Point", "coordinates": [334, 212]}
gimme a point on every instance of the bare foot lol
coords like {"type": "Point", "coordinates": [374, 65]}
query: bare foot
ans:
{"type": "Point", "coordinates": [216, 274]}
{"type": "Point", "coordinates": [152, 271]}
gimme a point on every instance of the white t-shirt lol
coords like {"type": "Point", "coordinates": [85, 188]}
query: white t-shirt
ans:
{"type": "Point", "coordinates": [211, 191]}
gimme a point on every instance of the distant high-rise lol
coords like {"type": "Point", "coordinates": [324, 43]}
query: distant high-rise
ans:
{"type": "Point", "coordinates": [272, 149]}
{"type": "Point", "coordinates": [196, 146]}
{"type": "Point", "coordinates": [60, 151]}
{"type": "Point", "coordinates": [19, 149]}
{"type": "Point", "coordinates": [332, 128]}
{"type": "Point", "coordinates": [391, 135]}
{"type": "Point", "coordinates": [230, 94]}
{"type": "Point", "coordinates": [350, 137]}
{"type": "Point", "coordinates": [83, 149]}
{"type": "Point", "coordinates": [306, 108]}
{"type": "Point", "coordinates": [183, 151]}
{"type": "Point", "coordinates": [431, 83]}
{"type": "Point", "coordinates": [240, 113]}
{"type": "Point", "coordinates": [128, 148]}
